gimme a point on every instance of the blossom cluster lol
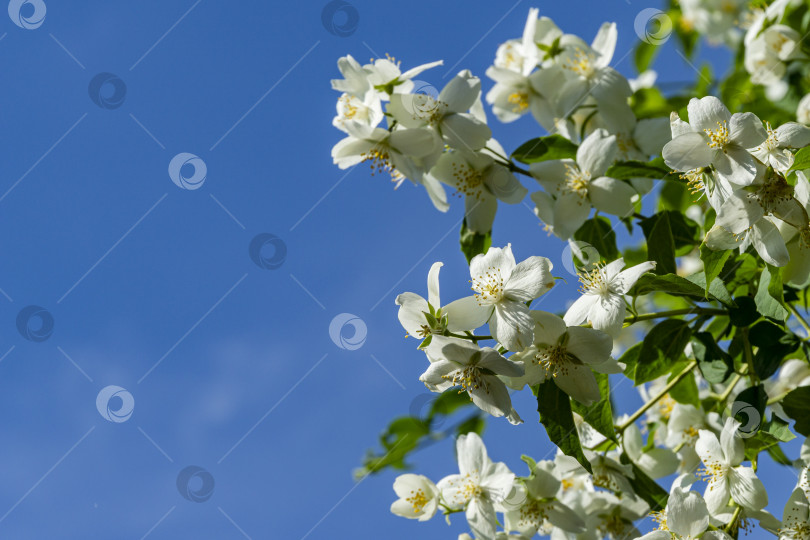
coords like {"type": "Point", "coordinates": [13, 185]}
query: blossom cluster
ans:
{"type": "Point", "coordinates": [724, 372]}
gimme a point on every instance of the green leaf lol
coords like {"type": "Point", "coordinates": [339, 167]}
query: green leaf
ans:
{"type": "Point", "coordinates": [660, 242]}
{"type": "Point", "coordinates": [644, 54]}
{"type": "Point", "coordinates": [473, 243]}
{"type": "Point", "coordinates": [769, 435]}
{"type": "Point", "coordinates": [769, 299]}
{"type": "Point", "coordinates": [675, 285]}
{"type": "Point", "coordinates": [713, 262]}
{"type": "Point", "coordinates": [598, 232]}
{"type": "Point", "coordinates": [797, 406]}
{"type": "Point", "coordinates": [544, 149]}
{"type": "Point", "coordinates": [773, 344]}
{"type": "Point", "coordinates": [600, 414]}
{"type": "Point", "coordinates": [714, 363]}
{"type": "Point", "coordinates": [661, 349]}
{"type": "Point", "coordinates": [554, 407]}
{"type": "Point", "coordinates": [647, 488]}
{"type": "Point", "coordinates": [625, 170]}
{"type": "Point", "coordinates": [717, 290]}
{"type": "Point", "coordinates": [630, 360]}
{"type": "Point", "coordinates": [686, 391]}
{"type": "Point", "coordinates": [744, 313]}
{"type": "Point", "coordinates": [667, 232]}
{"type": "Point", "coordinates": [801, 161]}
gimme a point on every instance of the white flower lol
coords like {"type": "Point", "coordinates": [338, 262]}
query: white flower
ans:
{"type": "Point", "coordinates": [502, 289]}
{"type": "Point", "coordinates": [773, 152]}
{"type": "Point", "coordinates": [718, 138]}
{"type": "Point", "coordinates": [515, 94]}
{"type": "Point", "coordinates": [592, 74]}
{"type": "Point", "coordinates": [573, 187]}
{"type": "Point", "coordinates": [457, 362]}
{"type": "Point", "coordinates": [796, 516]}
{"type": "Point", "coordinates": [403, 153]}
{"type": "Point", "coordinates": [364, 114]}
{"type": "Point", "coordinates": [727, 478]}
{"type": "Point", "coordinates": [418, 497]}
{"type": "Point", "coordinates": [447, 113]}
{"type": "Point", "coordinates": [602, 301]}
{"type": "Point", "coordinates": [639, 139]}
{"type": "Point", "coordinates": [610, 474]}
{"type": "Point", "coordinates": [566, 355]}
{"type": "Point", "coordinates": [480, 480]}
{"type": "Point", "coordinates": [746, 217]}
{"type": "Point", "coordinates": [482, 181]}
{"type": "Point", "coordinates": [685, 518]}
{"type": "Point", "coordinates": [655, 462]}
{"type": "Point", "coordinates": [537, 506]}
{"type": "Point", "coordinates": [803, 110]}
{"type": "Point", "coordinates": [765, 55]}
{"type": "Point", "coordinates": [420, 321]}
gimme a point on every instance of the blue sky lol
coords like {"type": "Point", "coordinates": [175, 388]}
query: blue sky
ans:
{"type": "Point", "coordinates": [152, 288]}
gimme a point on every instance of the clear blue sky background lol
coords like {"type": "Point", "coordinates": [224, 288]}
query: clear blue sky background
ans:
{"type": "Point", "coordinates": [135, 270]}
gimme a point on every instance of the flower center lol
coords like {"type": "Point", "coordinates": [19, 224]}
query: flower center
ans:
{"type": "Point", "coordinates": [772, 142]}
{"type": "Point", "coordinates": [625, 143]}
{"type": "Point", "coordinates": [533, 513]}
{"type": "Point", "coordinates": [694, 180]}
{"type": "Point", "coordinates": [468, 181]}
{"type": "Point", "coordinates": [554, 360]}
{"type": "Point", "coordinates": [417, 500]}
{"type": "Point", "coordinates": [595, 281]}
{"type": "Point", "coordinates": [775, 190]}
{"type": "Point", "coordinates": [613, 525]}
{"type": "Point", "coordinates": [714, 471]}
{"type": "Point", "coordinates": [660, 518]}
{"type": "Point", "coordinates": [519, 101]}
{"type": "Point", "coordinates": [426, 108]}
{"type": "Point", "coordinates": [576, 181]}
{"type": "Point", "coordinates": [470, 488]}
{"type": "Point", "coordinates": [489, 287]}
{"type": "Point", "coordinates": [581, 63]}
{"type": "Point", "coordinates": [379, 159]}
{"type": "Point", "coordinates": [468, 379]}
{"type": "Point", "coordinates": [665, 406]}
{"type": "Point", "coordinates": [804, 237]}
{"type": "Point", "coordinates": [719, 137]}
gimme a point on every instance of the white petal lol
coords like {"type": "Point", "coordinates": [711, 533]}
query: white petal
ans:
{"type": "Point", "coordinates": [465, 132]}
{"type": "Point", "coordinates": [705, 113]}
{"type": "Point", "coordinates": [611, 196]}
{"type": "Point", "coordinates": [688, 151]}
{"type": "Point", "coordinates": [461, 92]}
{"type": "Point", "coordinates": [512, 325]}
{"type": "Point", "coordinates": [498, 258]}
{"type": "Point", "coordinates": [433, 285]}
{"type": "Point", "coordinates": [579, 311]}
{"type": "Point", "coordinates": [746, 130]}
{"type": "Point", "coordinates": [746, 489]}
{"type": "Point", "coordinates": [608, 314]}
{"type": "Point", "coordinates": [629, 277]}
{"type": "Point", "coordinates": [731, 443]}
{"type": "Point", "coordinates": [687, 515]}
{"type": "Point", "coordinates": [548, 328]}
{"type": "Point", "coordinates": [570, 212]}
{"type": "Point", "coordinates": [588, 345]}
{"type": "Point", "coordinates": [466, 314]}
{"type": "Point", "coordinates": [769, 243]}
{"type": "Point", "coordinates": [597, 152]}
{"type": "Point", "coordinates": [579, 383]}
{"type": "Point", "coordinates": [530, 279]}
{"type": "Point", "coordinates": [471, 453]}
